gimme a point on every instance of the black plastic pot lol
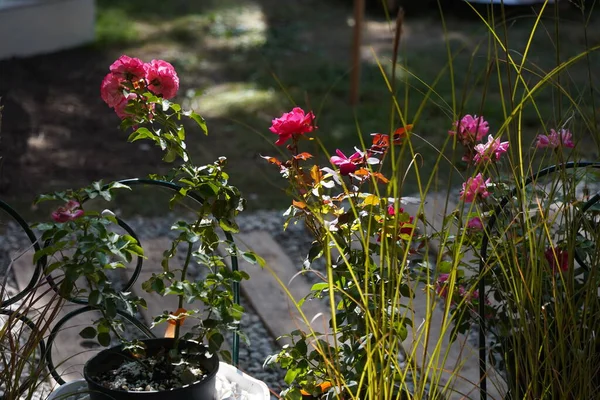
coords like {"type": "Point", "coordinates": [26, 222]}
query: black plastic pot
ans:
{"type": "Point", "coordinates": [111, 358]}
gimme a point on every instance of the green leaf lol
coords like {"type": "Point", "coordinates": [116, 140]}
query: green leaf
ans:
{"type": "Point", "coordinates": [105, 195]}
{"type": "Point", "coordinates": [88, 333]}
{"type": "Point", "coordinates": [52, 267]}
{"type": "Point", "coordinates": [228, 226]}
{"type": "Point", "coordinates": [44, 197]}
{"type": "Point", "coordinates": [135, 249]}
{"type": "Point", "coordinates": [225, 356]}
{"type": "Point", "coordinates": [316, 250]}
{"type": "Point", "coordinates": [43, 252]}
{"type": "Point", "coordinates": [95, 298]}
{"type": "Point", "coordinates": [44, 227]}
{"type": "Point", "coordinates": [444, 267]}
{"type": "Point", "coordinates": [111, 308]}
{"type": "Point", "coordinates": [118, 185]}
{"type": "Point", "coordinates": [104, 339]}
{"type": "Point", "coordinates": [181, 133]}
{"type": "Point", "coordinates": [215, 341]}
{"type": "Point", "coordinates": [291, 375]}
{"type": "Point", "coordinates": [140, 133]}
{"type": "Point", "coordinates": [253, 258]}
{"type": "Point", "coordinates": [199, 120]}
{"type": "Point", "coordinates": [170, 156]}
{"type": "Point", "coordinates": [294, 394]}
{"type": "Point", "coordinates": [158, 285]}
{"type": "Point", "coordinates": [66, 288]}
{"type": "Point", "coordinates": [318, 287]}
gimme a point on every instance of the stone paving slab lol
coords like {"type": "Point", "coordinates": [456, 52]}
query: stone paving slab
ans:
{"type": "Point", "coordinates": [459, 372]}
{"type": "Point", "coordinates": [264, 290]}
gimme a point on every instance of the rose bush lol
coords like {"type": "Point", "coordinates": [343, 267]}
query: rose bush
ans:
{"type": "Point", "coordinates": [84, 245]}
{"type": "Point", "coordinates": [371, 248]}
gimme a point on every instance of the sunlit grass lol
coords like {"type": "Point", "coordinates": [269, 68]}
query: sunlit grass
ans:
{"type": "Point", "coordinates": [233, 98]}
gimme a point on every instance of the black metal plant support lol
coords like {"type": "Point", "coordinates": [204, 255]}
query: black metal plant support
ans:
{"type": "Point", "coordinates": [483, 261]}
{"type": "Point", "coordinates": [45, 348]}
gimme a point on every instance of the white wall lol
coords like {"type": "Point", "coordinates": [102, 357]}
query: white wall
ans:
{"type": "Point", "coordinates": [30, 27]}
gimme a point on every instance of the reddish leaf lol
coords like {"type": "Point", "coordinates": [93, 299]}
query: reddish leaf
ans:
{"type": "Point", "coordinates": [403, 130]}
{"type": "Point", "coordinates": [400, 133]}
{"type": "Point", "coordinates": [303, 156]}
{"type": "Point", "coordinates": [379, 176]}
{"type": "Point", "coordinates": [381, 140]}
{"type": "Point", "coordinates": [299, 204]}
{"type": "Point", "coordinates": [362, 173]}
{"type": "Point", "coordinates": [272, 160]}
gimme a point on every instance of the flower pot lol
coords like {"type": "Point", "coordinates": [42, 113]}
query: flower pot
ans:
{"type": "Point", "coordinates": [112, 358]}
{"type": "Point", "coordinates": [74, 390]}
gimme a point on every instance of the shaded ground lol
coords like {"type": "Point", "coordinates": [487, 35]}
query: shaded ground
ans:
{"type": "Point", "coordinates": [242, 62]}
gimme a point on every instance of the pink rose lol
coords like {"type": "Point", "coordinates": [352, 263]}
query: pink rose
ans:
{"type": "Point", "coordinates": [295, 122]}
{"type": "Point", "coordinates": [120, 108]}
{"type": "Point", "coordinates": [162, 78]}
{"type": "Point", "coordinates": [473, 188]}
{"type": "Point", "coordinates": [475, 224]}
{"type": "Point", "coordinates": [493, 147]}
{"type": "Point", "coordinates": [562, 138]}
{"type": "Point", "coordinates": [557, 258]}
{"type": "Point", "coordinates": [441, 285]}
{"type": "Point", "coordinates": [111, 90]}
{"type": "Point", "coordinates": [72, 210]}
{"type": "Point", "coordinates": [128, 68]}
{"type": "Point", "coordinates": [470, 128]}
{"type": "Point", "coordinates": [347, 165]}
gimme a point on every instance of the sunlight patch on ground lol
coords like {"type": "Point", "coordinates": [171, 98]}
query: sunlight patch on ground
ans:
{"type": "Point", "coordinates": [221, 100]}
{"type": "Point", "coordinates": [240, 28]}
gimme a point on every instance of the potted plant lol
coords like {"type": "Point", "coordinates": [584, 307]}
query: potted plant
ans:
{"type": "Point", "coordinates": [83, 246]}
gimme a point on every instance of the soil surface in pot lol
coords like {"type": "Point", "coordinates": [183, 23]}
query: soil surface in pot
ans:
{"type": "Point", "coordinates": [153, 373]}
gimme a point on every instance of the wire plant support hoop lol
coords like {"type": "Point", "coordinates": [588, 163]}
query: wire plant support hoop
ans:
{"type": "Point", "coordinates": [45, 347]}
{"type": "Point", "coordinates": [483, 261]}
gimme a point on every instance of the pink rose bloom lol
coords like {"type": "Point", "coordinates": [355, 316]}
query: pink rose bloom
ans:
{"type": "Point", "coordinates": [120, 108]}
{"type": "Point", "coordinates": [128, 68]}
{"type": "Point", "coordinates": [562, 138]}
{"type": "Point", "coordinates": [440, 285]}
{"type": "Point", "coordinates": [470, 128]}
{"type": "Point", "coordinates": [473, 188]}
{"type": "Point", "coordinates": [295, 122]}
{"type": "Point", "coordinates": [72, 210]}
{"type": "Point", "coordinates": [162, 78]}
{"type": "Point", "coordinates": [347, 165]}
{"type": "Point", "coordinates": [475, 224]}
{"type": "Point", "coordinates": [557, 258]}
{"type": "Point", "coordinates": [493, 147]}
{"type": "Point", "coordinates": [111, 90]}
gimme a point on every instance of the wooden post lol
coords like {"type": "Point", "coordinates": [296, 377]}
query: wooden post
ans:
{"type": "Point", "coordinates": [359, 14]}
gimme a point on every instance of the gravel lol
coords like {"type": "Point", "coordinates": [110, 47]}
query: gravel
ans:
{"type": "Point", "coordinates": [295, 240]}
